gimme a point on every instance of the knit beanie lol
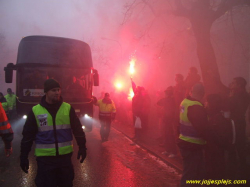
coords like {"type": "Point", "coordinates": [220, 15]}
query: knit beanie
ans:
{"type": "Point", "coordinates": [50, 84]}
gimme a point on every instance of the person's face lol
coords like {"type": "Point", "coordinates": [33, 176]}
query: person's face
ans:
{"type": "Point", "coordinates": [107, 96]}
{"type": "Point", "coordinates": [53, 95]}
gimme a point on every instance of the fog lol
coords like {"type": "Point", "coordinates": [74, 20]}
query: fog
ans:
{"type": "Point", "coordinates": [161, 44]}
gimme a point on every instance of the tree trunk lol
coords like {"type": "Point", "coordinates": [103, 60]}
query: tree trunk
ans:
{"type": "Point", "coordinates": [206, 56]}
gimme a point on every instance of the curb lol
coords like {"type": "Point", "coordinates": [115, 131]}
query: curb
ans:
{"type": "Point", "coordinates": [179, 170]}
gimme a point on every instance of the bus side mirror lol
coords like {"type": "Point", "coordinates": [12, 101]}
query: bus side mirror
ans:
{"type": "Point", "coordinates": [9, 72]}
{"type": "Point", "coordinates": [96, 77]}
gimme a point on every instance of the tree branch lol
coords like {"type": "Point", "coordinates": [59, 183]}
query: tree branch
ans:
{"type": "Point", "coordinates": [181, 10]}
{"type": "Point", "coordinates": [227, 5]}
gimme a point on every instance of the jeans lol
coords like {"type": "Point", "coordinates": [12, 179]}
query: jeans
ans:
{"type": "Point", "coordinates": [105, 127]}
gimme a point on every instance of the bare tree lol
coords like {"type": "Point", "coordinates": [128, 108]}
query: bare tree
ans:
{"type": "Point", "coordinates": [202, 14]}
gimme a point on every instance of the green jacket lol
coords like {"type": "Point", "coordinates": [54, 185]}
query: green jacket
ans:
{"type": "Point", "coordinates": [11, 101]}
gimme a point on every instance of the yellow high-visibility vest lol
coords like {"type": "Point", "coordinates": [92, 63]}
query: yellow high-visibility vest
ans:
{"type": "Point", "coordinates": [106, 109]}
{"type": "Point", "coordinates": [46, 142]}
{"type": "Point", "coordinates": [187, 131]}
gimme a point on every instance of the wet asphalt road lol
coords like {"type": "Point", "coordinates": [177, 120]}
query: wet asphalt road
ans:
{"type": "Point", "coordinates": [114, 163]}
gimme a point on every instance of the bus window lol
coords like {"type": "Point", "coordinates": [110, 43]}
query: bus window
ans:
{"type": "Point", "coordinates": [34, 79]}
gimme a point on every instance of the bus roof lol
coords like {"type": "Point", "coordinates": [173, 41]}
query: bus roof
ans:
{"type": "Point", "coordinates": [54, 51]}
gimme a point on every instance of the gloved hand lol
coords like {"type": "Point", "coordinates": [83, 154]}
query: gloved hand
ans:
{"type": "Point", "coordinates": [81, 154]}
{"type": "Point", "coordinates": [24, 163]}
{"type": "Point", "coordinates": [8, 152]}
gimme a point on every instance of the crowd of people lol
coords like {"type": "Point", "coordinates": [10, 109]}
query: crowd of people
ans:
{"type": "Point", "coordinates": [167, 110]}
{"type": "Point", "coordinates": [208, 132]}
{"type": "Point", "coordinates": [213, 143]}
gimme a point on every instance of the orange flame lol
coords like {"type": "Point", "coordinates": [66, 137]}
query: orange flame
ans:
{"type": "Point", "coordinates": [131, 94]}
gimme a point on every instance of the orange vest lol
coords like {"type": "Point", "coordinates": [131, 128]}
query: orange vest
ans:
{"type": "Point", "coordinates": [5, 127]}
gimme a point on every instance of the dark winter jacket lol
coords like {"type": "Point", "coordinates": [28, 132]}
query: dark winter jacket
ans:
{"type": "Point", "coordinates": [238, 104]}
{"type": "Point", "coordinates": [30, 130]}
{"type": "Point", "coordinates": [168, 103]}
{"type": "Point", "coordinates": [221, 131]}
{"type": "Point", "coordinates": [140, 105]}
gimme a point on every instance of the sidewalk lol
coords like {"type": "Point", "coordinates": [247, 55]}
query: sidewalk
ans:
{"type": "Point", "coordinates": [151, 143]}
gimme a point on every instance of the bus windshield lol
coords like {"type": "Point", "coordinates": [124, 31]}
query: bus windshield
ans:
{"type": "Point", "coordinates": [76, 84]}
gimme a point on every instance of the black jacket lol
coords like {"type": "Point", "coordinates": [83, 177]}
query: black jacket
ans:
{"type": "Point", "coordinates": [168, 103]}
{"type": "Point", "coordinates": [30, 130]}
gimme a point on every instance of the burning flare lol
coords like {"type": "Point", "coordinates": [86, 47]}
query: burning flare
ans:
{"type": "Point", "coordinates": [118, 85]}
{"type": "Point", "coordinates": [132, 66]}
{"type": "Point", "coordinates": [131, 94]}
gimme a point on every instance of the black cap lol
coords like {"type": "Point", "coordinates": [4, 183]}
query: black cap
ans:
{"type": "Point", "coordinates": [9, 90]}
{"type": "Point", "coordinates": [50, 84]}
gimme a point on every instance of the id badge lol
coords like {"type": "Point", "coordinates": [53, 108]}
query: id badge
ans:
{"type": "Point", "coordinates": [43, 119]}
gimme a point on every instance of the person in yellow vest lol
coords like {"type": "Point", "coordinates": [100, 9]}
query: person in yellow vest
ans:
{"type": "Point", "coordinates": [52, 124]}
{"type": "Point", "coordinates": [6, 132]}
{"type": "Point", "coordinates": [4, 103]}
{"type": "Point", "coordinates": [11, 103]}
{"type": "Point", "coordinates": [193, 124]}
{"type": "Point", "coordinates": [107, 112]}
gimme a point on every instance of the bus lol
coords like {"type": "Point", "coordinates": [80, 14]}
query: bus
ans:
{"type": "Point", "coordinates": [68, 61]}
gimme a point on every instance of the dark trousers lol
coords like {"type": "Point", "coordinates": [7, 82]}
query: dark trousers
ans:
{"type": "Point", "coordinates": [215, 161]}
{"type": "Point", "coordinates": [12, 114]}
{"type": "Point", "coordinates": [170, 139]}
{"type": "Point", "coordinates": [193, 166]}
{"type": "Point", "coordinates": [237, 157]}
{"type": "Point", "coordinates": [54, 176]}
{"type": "Point", "coordinates": [105, 127]}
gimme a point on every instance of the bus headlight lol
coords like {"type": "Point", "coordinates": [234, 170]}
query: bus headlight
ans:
{"type": "Point", "coordinates": [87, 116]}
{"type": "Point", "coordinates": [24, 116]}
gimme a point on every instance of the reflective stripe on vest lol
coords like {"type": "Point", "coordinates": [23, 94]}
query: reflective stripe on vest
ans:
{"type": "Point", "coordinates": [106, 114]}
{"type": "Point", "coordinates": [45, 138]}
{"type": "Point", "coordinates": [187, 131]}
{"type": "Point", "coordinates": [5, 126]}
